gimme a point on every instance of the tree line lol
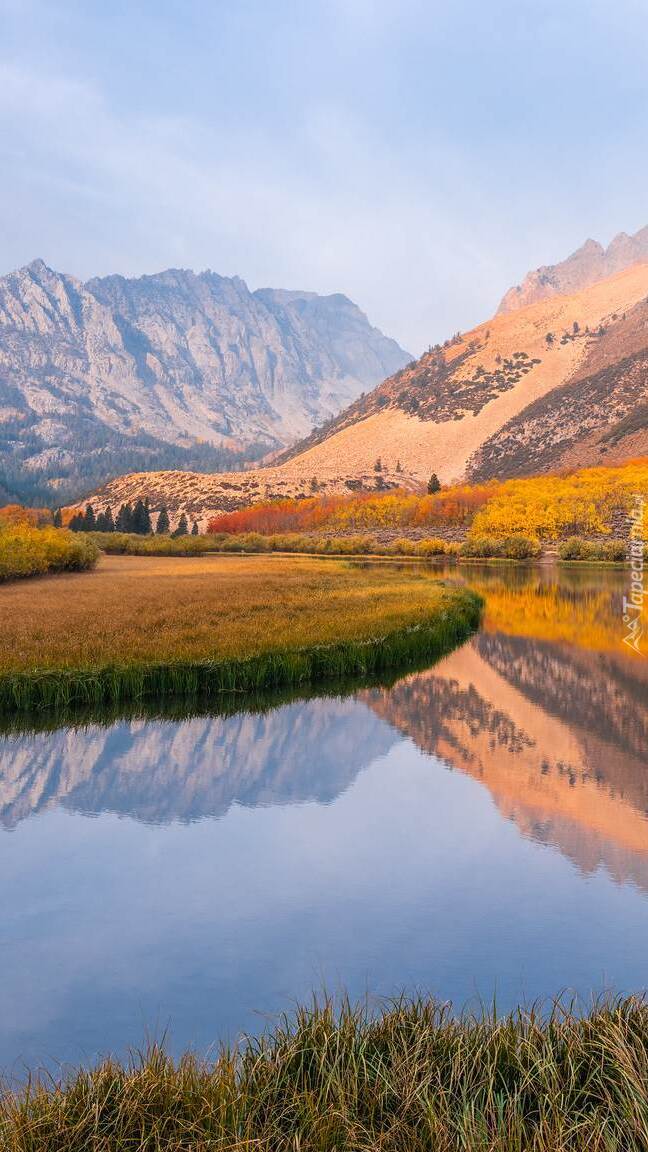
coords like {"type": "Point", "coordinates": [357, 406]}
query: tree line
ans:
{"type": "Point", "coordinates": [134, 519]}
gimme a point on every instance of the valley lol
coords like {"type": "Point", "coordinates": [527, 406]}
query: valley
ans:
{"type": "Point", "coordinates": [528, 391]}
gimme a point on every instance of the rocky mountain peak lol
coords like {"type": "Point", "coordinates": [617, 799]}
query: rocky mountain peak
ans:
{"type": "Point", "coordinates": [587, 265]}
{"type": "Point", "coordinates": [104, 377]}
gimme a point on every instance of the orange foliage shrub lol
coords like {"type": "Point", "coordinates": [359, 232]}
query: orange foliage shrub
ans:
{"type": "Point", "coordinates": [587, 502]}
{"type": "Point", "coordinates": [33, 517]}
{"type": "Point", "coordinates": [394, 509]}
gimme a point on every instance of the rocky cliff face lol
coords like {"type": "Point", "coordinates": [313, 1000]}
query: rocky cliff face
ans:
{"type": "Point", "coordinates": [587, 265]}
{"type": "Point", "coordinates": [171, 370]}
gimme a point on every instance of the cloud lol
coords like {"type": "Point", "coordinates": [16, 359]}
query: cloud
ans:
{"type": "Point", "coordinates": [418, 159]}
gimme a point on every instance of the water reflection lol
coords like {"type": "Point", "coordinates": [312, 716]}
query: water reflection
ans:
{"type": "Point", "coordinates": [480, 824]}
{"type": "Point", "coordinates": [158, 771]}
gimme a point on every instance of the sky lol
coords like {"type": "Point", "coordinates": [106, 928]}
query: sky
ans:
{"type": "Point", "coordinates": [418, 156]}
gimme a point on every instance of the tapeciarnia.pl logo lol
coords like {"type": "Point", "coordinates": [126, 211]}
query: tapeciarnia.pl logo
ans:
{"type": "Point", "coordinates": [633, 604]}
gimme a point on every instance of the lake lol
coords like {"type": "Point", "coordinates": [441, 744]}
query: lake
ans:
{"type": "Point", "coordinates": [478, 830]}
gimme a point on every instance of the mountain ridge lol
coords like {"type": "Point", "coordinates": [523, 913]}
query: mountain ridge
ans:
{"type": "Point", "coordinates": [452, 411]}
{"type": "Point", "coordinates": [176, 366]}
{"type": "Point", "coordinates": [589, 264]}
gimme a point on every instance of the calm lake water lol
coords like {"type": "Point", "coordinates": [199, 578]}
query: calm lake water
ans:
{"type": "Point", "coordinates": [478, 829]}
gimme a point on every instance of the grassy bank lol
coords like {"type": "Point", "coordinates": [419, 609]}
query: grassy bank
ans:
{"type": "Point", "coordinates": [30, 551]}
{"type": "Point", "coordinates": [161, 626]}
{"type": "Point", "coordinates": [413, 1078]}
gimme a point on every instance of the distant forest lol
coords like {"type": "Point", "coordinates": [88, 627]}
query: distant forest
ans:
{"type": "Point", "coordinates": [90, 454]}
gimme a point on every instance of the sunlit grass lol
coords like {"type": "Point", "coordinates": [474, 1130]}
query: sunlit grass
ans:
{"type": "Point", "coordinates": [173, 625]}
{"type": "Point", "coordinates": [410, 1078]}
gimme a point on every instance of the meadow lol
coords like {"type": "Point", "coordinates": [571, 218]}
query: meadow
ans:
{"type": "Point", "coordinates": [169, 625]}
{"type": "Point", "coordinates": [412, 1078]}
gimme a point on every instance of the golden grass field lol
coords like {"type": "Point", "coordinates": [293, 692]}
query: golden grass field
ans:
{"type": "Point", "coordinates": [134, 610]}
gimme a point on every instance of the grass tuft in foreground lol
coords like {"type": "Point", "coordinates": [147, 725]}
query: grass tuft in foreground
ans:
{"type": "Point", "coordinates": [167, 626]}
{"type": "Point", "coordinates": [412, 1078]}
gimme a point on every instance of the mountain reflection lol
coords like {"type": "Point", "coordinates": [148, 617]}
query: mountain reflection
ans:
{"type": "Point", "coordinates": [558, 735]}
{"type": "Point", "coordinates": [159, 771]}
{"type": "Point", "coordinates": [543, 707]}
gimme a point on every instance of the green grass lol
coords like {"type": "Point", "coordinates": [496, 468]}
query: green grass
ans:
{"type": "Point", "coordinates": [159, 627]}
{"type": "Point", "coordinates": [412, 1078]}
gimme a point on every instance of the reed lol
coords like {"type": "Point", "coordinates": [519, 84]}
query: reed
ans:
{"type": "Point", "coordinates": [412, 1077]}
{"type": "Point", "coordinates": [115, 684]}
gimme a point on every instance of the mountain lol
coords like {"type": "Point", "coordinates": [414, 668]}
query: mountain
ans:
{"type": "Point", "coordinates": [561, 382]}
{"type": "Point", "coordinates": [171, 370]}
{"type": "Point", "coordinates": [598, 416]}
{"type": "Point", "coordinates": [587, 265]}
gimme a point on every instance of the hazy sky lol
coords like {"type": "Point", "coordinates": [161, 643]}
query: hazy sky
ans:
{"type": "Point", "coordinates": [418, 156]}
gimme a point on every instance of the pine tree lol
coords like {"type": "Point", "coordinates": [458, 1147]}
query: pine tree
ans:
{"type": "Point", "coordinates": [89, 520]}
{"type": "Point", "coordinates": [101, 522]}
{"type": "Point", "coordinates": [125, 519]}
{"type": "Point", "coordinates": [77, 523]}
{"type": "Point", "coordinates": [162, 526]}
{"type": "Point", "coordinates": [183, 526]}
{"type": "Point", "coordinates": [108, 519]}
{"type": "Point", "coordinates": [195, 530]}
{"type": "Point", "coordinates": [378, 465]}
{"type": "Point", "coordinates": [434, 484]}
{"type": "Point", "coordinates": [141, 519]}
{"type": "Point", "coordinates": [58, 518]}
